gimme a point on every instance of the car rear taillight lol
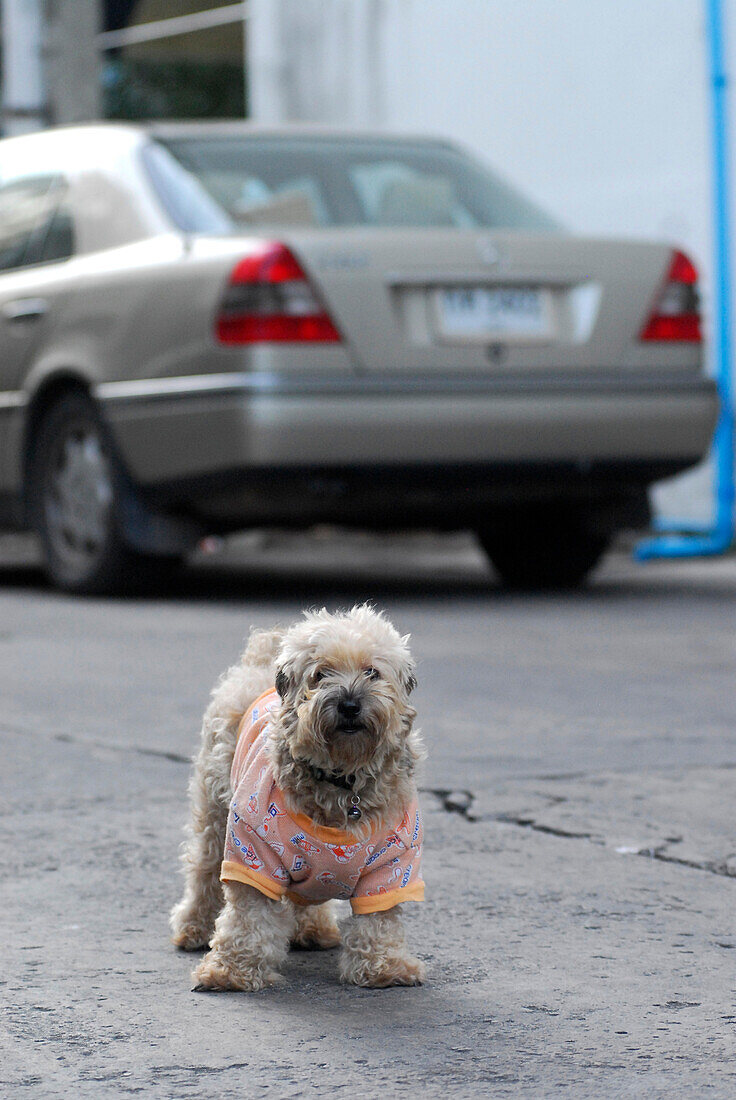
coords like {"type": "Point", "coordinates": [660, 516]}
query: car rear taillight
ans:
{"type": "Point", "coordinates": [269, 298]}
{"type": "Point", "coordinates": [676, 313]}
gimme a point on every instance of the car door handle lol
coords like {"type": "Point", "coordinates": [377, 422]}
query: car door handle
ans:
{"type": "Point", "coordinates": [24, 309]}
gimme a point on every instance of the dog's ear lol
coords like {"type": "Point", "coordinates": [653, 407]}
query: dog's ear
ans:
{"type": "Point", "coordinates": [282, 682]}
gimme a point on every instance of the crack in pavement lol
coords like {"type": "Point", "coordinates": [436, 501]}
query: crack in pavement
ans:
{"type": "Point", "coordinates": [713, 867]}
{"type": "Point", "coordinates": [535, 826]}
{"type": "Point", "coordinates": [453, 801]}
{"type": "Point", "coordinates": [461, 801]}
{"type": "Point", "coordinates": [95, 743]}
{"type": "Point", "coordinates": [198, 1071]}
{"type": "Point", "coordinates": [161, 754]}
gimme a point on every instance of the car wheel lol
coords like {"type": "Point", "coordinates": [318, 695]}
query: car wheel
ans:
{"type": "Point", "coordinates": [75, 484]}
{"type": "Point", "coordinates": [543, 549]}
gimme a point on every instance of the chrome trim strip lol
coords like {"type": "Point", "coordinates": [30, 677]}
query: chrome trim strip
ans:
{"type": "Point", "coordinates": [187, 385]}
{"type": "Point", "coordinates": [265, 384]}
{"type": "Point", "coordinates": [13, 399]}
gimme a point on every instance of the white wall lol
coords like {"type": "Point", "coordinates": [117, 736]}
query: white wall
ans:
{"type": "Point", "coordinates": [597, 108]}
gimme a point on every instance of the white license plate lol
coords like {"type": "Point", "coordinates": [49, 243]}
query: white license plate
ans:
{"type": "Point", "coordinates": [488, 312]}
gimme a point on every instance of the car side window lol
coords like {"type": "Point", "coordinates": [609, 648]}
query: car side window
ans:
{"type": "Point", "coordinates": [35, 224]}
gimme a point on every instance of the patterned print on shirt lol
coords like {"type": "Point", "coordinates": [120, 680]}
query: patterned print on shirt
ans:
{"type": "Point", "coordinates": [299, 840]}
{"type": "Point", "coordinates": [392, 840]}
{"type": "Point", "coordinates": [343, 853]}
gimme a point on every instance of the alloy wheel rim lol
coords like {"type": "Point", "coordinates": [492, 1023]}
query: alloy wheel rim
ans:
{"type": "Point", "coordinates": [78, 497]}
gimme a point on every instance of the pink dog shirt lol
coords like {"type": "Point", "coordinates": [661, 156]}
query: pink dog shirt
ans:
{"type": "Point", "coordinates": [280, 852]}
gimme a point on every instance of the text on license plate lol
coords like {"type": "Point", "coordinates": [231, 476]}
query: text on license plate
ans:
{"type": "Point", "coordinates": [493, 311]}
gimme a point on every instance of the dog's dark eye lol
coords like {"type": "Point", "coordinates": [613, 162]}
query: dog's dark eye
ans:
{"type": "Point", "coordinates": [372, 673]}
{"type": "Point", "coordinates": [319, 675]}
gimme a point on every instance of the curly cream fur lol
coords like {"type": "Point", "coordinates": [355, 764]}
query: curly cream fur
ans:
{"type": "Point", "coordinates": [250, 943]}
{"type": "Point", "coordinates": [193, 919]}
{"type": "Point", "coordinates": [316, 927]}
{"type": "Point", "coordinates": [314, 665]}
{"type": "Point", "coordinates": [375, 954]}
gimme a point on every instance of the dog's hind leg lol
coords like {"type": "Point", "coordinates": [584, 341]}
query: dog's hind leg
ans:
{"type": "Point", "coordinates": [316, 927]}
{"type": "Point", "coordinates": [192, 921]}
{"type": "Point", "coordinates": [250, 943]}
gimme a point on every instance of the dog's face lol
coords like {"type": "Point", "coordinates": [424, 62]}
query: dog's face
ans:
{"type": "Point", "coordinates": [344, 682]}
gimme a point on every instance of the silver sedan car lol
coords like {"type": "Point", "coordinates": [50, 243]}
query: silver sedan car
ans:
{"type": "Point", "coordinates": [208, 327]}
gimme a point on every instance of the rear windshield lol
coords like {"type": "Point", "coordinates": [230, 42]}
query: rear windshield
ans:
{"type": "Point", "coordinates": [330, 182]}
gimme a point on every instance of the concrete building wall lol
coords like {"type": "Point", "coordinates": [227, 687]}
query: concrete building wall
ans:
{"type": "Point", "coordinates": [72, 62]}
{"type": "Point", "coordinates": [599, 110]}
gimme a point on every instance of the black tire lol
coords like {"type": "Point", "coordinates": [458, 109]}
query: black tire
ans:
{"type": "Point", "coordinates": [543, 548]}
{"type": "Point", "coordinates": [75, 485]}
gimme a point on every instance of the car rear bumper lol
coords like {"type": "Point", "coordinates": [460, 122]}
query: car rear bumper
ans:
{"type": "Point", "coordinates": [181, 429]}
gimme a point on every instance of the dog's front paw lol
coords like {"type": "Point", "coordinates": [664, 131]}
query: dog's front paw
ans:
{"type": "Point", "coordinates": [218, 974]}
{"type": "Point", "coordinates": [381, 971]}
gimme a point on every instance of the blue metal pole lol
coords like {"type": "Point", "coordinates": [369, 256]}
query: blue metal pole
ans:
{"type": "Point", "coordinates": [721, 535]}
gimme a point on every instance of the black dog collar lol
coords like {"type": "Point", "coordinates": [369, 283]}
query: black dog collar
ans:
{"type": "Point", "coordinates": [347, 782]}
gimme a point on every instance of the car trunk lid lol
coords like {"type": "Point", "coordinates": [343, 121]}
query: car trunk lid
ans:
{"type": "Point", "coordinates": [465, 301]}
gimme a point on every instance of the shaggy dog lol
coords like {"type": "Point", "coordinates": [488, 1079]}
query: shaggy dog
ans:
{"type": "Point", "coordinates": [308, 791]}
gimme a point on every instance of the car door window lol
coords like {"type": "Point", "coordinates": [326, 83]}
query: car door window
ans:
{"type": "Point", "coordinates": [35, 225]}
{"type": "Point", "coordinates": [54, 239]}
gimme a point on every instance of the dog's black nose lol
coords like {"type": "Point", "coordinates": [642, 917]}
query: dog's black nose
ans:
{"type": "Point", "coordinates": [348, 708]}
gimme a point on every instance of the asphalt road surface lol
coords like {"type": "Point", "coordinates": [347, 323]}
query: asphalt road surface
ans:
{"type": "Point", "coordinates": [580, 927]}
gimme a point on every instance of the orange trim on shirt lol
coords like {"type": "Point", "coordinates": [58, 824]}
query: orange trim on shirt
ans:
{"type": "Point", "coordinates": [326, 832]}
{"type": "Point", "coordinates": [377, 903]}
{"type": "Point", "coordinates": [263, 695]}
{"type": "Point", "coordinates": [237, 872]}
